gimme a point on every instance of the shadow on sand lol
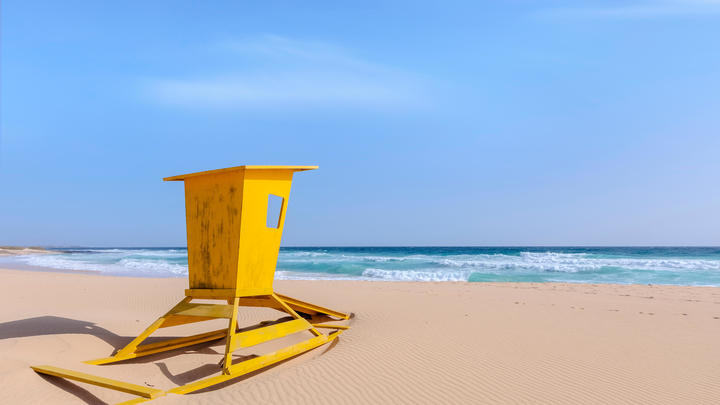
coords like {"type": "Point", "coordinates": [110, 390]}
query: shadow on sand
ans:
{"type": "Point", "coordinates": [55, 325]}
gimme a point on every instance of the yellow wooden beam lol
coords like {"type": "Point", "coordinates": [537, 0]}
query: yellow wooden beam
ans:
{"type": "Point", "coordinates": [225, 293]}
{"type": "Point", "coordinates": [257, 363]}
{"type": "Point", "coordinates": [210, 293]}
{"type": "Point", "coordinates": [130, 347]}
{"type": "Point", "coordinates": [205, 310]}
{"type": "Point", "coordinates": [167, 345]}
{"type": "Point", "coordinates": [245, 167]}
{"type": "Point", "coordinates": [262, 301]}
{"type": "Point", "coordinates": [183, 341]}
{"type": "Point", "coordinates": [230, 337]}
{"type": "Point", "coordinates": [145, 392]}
{"type": "Point", "coordinates": [253, 300]}
{"type": "Point", "coordinates": [303, 306]}
{"type": "Point", "coordinates": [292, 312]}
{"type": "Point", "coordinates": [248, 366]}
{"type": "Point", "coordinates": [330, 326]}
{"type": "Point", "coordinates": [175, 320]}
{"type": "Point", "coordinates": [256, 336]}
{"type": "Point", "coordinates": [138, 400]}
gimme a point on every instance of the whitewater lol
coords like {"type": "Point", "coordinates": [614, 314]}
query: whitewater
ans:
{"type": "Point", "coordinates": [624, 265]}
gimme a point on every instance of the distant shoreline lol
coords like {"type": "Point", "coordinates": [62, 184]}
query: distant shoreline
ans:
{"type": "Point", "coordinates": [71, 247]}
{"type": "Point", "coordinates": [699, 266]}
{"type": "Point", "coordinates": [23, 250]}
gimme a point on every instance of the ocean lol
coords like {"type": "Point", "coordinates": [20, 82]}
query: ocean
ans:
{"type": "Point", "coordinates": [698, 266]}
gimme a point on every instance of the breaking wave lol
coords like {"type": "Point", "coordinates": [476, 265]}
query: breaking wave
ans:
{"type": "Point", "coordinates": [684, 266]}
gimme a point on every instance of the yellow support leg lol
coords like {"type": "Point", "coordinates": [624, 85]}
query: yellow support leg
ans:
{"type": "Point", "coordinates": [292, 312]}
{"type": "Point", "coordinates": [227, 360]}
{"type": "Point", "coordinates": [303, 306]}
{"type": "Point", "coordinates": [130, 348]}
{"type": "Point", "coordinates": [180, 314]}
{"type": "Point", "coordinates": [167, 345]}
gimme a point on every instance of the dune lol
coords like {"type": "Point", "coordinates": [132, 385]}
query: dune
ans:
{"type": "Point", "coordinates": [408, 343]}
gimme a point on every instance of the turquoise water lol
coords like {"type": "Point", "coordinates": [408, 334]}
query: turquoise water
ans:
{"type": "Point", "coordinates": [625, 265]}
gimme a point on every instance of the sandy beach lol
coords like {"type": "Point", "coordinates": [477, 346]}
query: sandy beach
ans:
{"type": "Point", "coordinates": [17, 250]}
{"type": "Point", "coordinates": [409, 343]}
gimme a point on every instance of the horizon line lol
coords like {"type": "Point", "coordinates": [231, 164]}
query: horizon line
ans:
{"type": "Point", "coordinates": [385, 246]}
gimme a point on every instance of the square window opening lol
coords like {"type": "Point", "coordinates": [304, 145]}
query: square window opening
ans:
{"type": "Point", "coordinates": [274, 210]}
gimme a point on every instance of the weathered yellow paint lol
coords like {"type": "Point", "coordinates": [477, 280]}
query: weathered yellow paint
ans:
{"type": "Point", "coordinates": [259, 244]}
{"type": "Point", "coordinates": [212, 211]}
{"type": "Point", "coordinates": [230, 245]}
{"type": "Point", "coordinates": [232, 254]}
{"type": "Point", "coordinates": [145, 392]}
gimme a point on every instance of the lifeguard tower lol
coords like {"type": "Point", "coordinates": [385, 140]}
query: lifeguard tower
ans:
{"type": "Point", "coordinates": [233, 239]}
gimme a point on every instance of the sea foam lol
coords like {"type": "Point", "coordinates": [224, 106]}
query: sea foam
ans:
{"type": "Point", "coordinates": [685, 266]}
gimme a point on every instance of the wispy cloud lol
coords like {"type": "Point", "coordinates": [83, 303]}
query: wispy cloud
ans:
{"type": "Point", "coordinates": [274, 71]}
{"type": "Point", "coordinates": [641, 9]}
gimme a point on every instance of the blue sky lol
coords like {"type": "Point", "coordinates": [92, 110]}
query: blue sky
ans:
{"type": "Point", "coordinates": [433, 123]}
